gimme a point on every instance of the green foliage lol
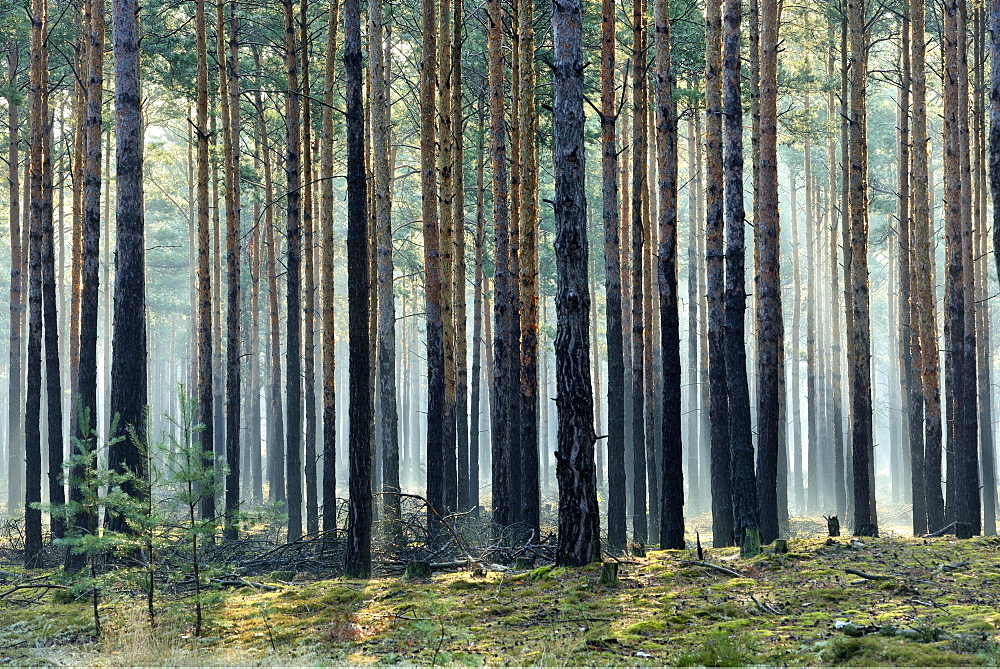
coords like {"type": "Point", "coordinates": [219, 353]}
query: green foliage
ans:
{"type": "Point", "coordinates": [720, 650]}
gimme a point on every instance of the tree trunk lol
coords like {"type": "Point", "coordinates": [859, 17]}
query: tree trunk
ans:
{"type": "Point", "coordinates": [671, 510]}
{"type": "Point", "coordinates": [386, 358]}
{"type": "Point", "coordinates": [359, 521]}
{"type": "Point", "coordinates": [770, 323]}
{"type": "Point", "coordinates": [329, 332]}
{"type": "Point", "coordinates": [860, 358]}
{"type": "Point", "coordinates": [722, 506]}
{"type": "Point", "coordinates": [293, 182]}
{"type": "Point", "coordinates": [229, 87]}
{"type": "Point", "coordinates": [505, 344]}
{"type": "Point", "coordinates": [309, 281]}
{"type": "Point", "coordinates": [38, 87]}
{"type": "Point", "coordinates": [128, 346]}
{"type": "Point", "coordinates": [15, 431]}
{"type": "Point", "coordinates": [744, 487]}
{"type": "Point", "coordinates": [528, 268]}
{"type": "Point", "coordinates": [205, 394]}
{"type": "Point", "coordinates": [579, 516]}
{"type": "Point", "coordinates": [459, 307]}
{"type": "Point", "coordinates": [479, 315]}
{"type": "Point", "coordinates": [924, 288]}
{"type": "Point", "coordinates": [639, 186]}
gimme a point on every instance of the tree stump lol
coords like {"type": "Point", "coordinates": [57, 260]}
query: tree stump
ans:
{"type": "Point", "coordinates": [751, 543]}
{"type": "Point", "coordinates": [780, 546]}
{"type": "Point", "coordinates": [963, 530]}
{"type": "Point", "coordinates": [833, 526]}
{"type": "Point", "coordinates": [418, 569]}
{"type": "Point", "coordinates": [609, 573]}
{"type": "Point", "coordinates": [637, 550]}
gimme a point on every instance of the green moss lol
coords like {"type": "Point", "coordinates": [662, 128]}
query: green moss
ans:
{"type": "Point", "coordinates": [876, 650]}
{"type": "Point", "coordinates": [719, 650]}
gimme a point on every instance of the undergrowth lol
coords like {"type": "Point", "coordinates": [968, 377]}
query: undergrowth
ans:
{"type": "Point", "coordinates": [937, 606]}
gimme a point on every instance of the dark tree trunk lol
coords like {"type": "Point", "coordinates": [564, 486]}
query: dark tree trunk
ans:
{"type": "Point", "coordinates": [860, 355]}
{"type": "Point", "coordinates": [293, 393]}
{"type": "Point", "coordinates": [671, 511]}
{"type": "Point", "coordinates": [505, 344]}
{"type": "Point", "coordinates": [361, 407]}
{"type": "Point", "coordinates": [744, 486]}
{"type": "Point", "coordinates": [579, 516]}
{"type": "Point", "coordinates": [770, 323]}
{"type": "Point", "coordinates": [234, 310]}
{"type": "Point", "coordinates": [205, 381]}
{"type": "Point", "coordinates": [128, 345]}
{"type": "Point", "coordinates": [722, 505]}
{"type": "Point", "coordinates": [479, 315]}
{"type": "Point", "coordinates": [612, 285]}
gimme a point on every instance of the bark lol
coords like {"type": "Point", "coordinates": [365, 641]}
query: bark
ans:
{"type": "Point", "coordinates": [695, 489]}
{"type": "Point", "coordinates": [860, 358]}
{"type": "Point", "coordinates": [360, 408]}
{"type": "Point", "coordinates": [671, 510]}
{"type": "Point", "coordinates": [230, 95]}
{"type": "Point", "coordinates": [479, 314]}
{"type": "Point", "coordinates": [505, 345]}
{"type": "Point", "coordinates": [329, 332]}
{"type": "Point", "coordinates": [770, 323]}
{"type": "Point", "coordinates": [433, 279]}
{"type": "Point", "coordinates": [722, 509]}
{"type": "Point", "coordinates": [309, 283]}
{"type": "Point", "coordinates": [923, 287]}
{"type": "Point", "coordinates": [205, 343]}
{"type": "Point", "coordinates": [128, 345]}
{"type": "Point", "coordinates": [18, 257]}
{"type": "Point", "coordinates": [612, 283]}
{"type": "Point", "coordinates": [528, 268]}
{"type": "Point", "coordinates": [639, 187]}
{"type": "Point", "coordinates": [836, 350]}
{"type": "Point", "coordinates": [293, 182]}
{"type": "Point", "coordinates": [38, 85]}
{"type": "Point", "coordinates": [386, 357]}
{"type": "Point", "coordinates": [907, 334]}
{"type": "Point", "coordinates": [744, 487]}
{"type": "Point", "coordinates": [579, 519]}
{"type": "Point", "coordinates": [459, 299]}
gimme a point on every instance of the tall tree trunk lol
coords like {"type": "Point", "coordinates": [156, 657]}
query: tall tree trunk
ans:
{"type": "Point", "coordinates": [722, 505]}
{"type": "Point", "coordinates": [579, 516]}
{"type": "Point", "coordinates": [694, 482]}
{"type": "Point", "coordinates": [770, 323]}
{"type": "Point", "coordinates": [505, 344]}
{"type": "Point", "coordinates": [386, 357]}
{"type": "Point", "coordinates": [293, 182]}
{"type": "Point", "coordinates": [205, 380]}
{"type": "Point", "coordinates": [612, 283]}
{"type": "Point", "coordinates": [639, 187]}
{"type": "Point", "coordinates": [796, 351]}
{"type": "Point", "coordinates": [15, 430]}
{"type": "Point", "coordinates": [479, 315]}
{"type": "Point", "coordinates": [671, 504]}
{"type": "Point", "coordinates": [924, 289]}
{"type": "Point", "coordinates": [309, 281]}
{"type": "Point", "coordinates": [528, 267]}
{"type": "Point", "coordinates": [860, 358]}
{"type": "Point", "coordinates": [38, 87]}
{"type": "Point", "coordinates": [360, 411]}
{"type": "Point", "coordinates": [459, 307]}
{"type": "Point", "coordinates": [229, 87]}
{"type": "Point", "coordinates": [128, 346]}
{"type": "Point", "coordinates": [432, 261]}
{"type": "Point", "coordinates": [329, 332]}
{"type": "Point", "coordinates": [912, 428]}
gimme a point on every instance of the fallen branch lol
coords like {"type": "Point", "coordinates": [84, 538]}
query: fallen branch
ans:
{"type": "Point", "coordinates": [32, 586]}
{"type": "Point", "coordinates": [940, 533]}
{"type": "Point", "coordinates": [766, 608]}
{"type": "Point", "coordinates": [865, 575]}
{"type": "Point", "coordinates": [716, 567]}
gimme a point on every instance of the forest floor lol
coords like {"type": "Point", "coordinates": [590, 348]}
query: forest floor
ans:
{"type": "Point", "coordinates": [923, 602]}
